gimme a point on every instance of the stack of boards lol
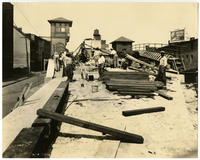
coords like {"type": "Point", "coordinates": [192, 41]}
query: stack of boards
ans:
{"type": "Point", "coordinates": [129, 83]}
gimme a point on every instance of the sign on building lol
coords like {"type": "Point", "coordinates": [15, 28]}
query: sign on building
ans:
{"type": "Point", "coordinates": [177, 35]}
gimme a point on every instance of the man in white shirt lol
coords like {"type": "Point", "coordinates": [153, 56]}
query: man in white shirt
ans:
{"type": "Point", "coordinates": [101, 62]}
{"type": "Point", "coordinates": [68, 68]}
{"type": "Point", "coordinates": [162, 68]}
{"type": "Point", "coordinates": [115, 56]}
{"type": "Point", "coordinates": [163, 60]}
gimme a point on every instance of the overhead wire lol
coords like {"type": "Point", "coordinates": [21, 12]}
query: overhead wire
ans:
{"type": "Point", "coordinates": [26, 18]}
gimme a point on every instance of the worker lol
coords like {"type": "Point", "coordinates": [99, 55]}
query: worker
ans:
{"type": "Point", "coordinates": [162, 68]}
{"type": "Point", "coordinates": [56, 61]}
{"type": "Point", "coordinates": [101, 63]}
{"type": "Point", "coordinates": [124, 63]}
{"type": "Point", "coordinates": [68, 66]}
{"type": "Point", "coordinates": [115, 57]}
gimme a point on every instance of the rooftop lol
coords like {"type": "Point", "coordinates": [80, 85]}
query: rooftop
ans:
{"type": "Point", "coordinates": [60, 20]}
{"type": "Point", "coordinates": [122, 39]}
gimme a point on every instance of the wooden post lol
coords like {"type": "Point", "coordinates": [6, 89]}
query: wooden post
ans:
{"type": "Point", "coordinates": [142, 111]}
{"type": "Point", "coordinates": [89, 125]}
{"type": "Point", "coordinates": [27, 57]}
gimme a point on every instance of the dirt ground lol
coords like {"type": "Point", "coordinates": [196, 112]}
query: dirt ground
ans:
{"type": "Point", "coordinates": [172, 133]}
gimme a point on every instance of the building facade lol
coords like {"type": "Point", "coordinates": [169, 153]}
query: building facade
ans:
{"type": "Point", "coordinates": [60, 34]}
{"type": "Point", "coordinates": [7, 39]}
{"type": "Point", "coordinates": [21, 57]}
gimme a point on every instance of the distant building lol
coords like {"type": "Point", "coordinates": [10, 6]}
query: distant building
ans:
{"type": "Point", "coordinates": [21, 58]}
{"type": "Point", "coordinates": [60, 33]}
{"type": "Point", "coordinates": [7, 36]}
{"type": "Point", "coordinates": [95, 42]}
{"type": "Point", "coordinates": [122, 43]}
{"type": "Point", "coordinates": [186, 51]}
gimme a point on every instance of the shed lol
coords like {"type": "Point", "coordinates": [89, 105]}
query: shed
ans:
{"type": "Point", "coordinates": [122, 43]}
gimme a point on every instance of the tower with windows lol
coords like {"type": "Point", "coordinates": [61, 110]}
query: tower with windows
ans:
{"type": "Point", "coordinates": [60, 33]}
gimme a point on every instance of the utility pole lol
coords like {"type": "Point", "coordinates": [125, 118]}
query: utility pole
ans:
{"type": "Point", "coordinates": [27, 57]}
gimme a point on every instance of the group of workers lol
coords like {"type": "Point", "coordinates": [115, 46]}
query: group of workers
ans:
{"type": "Point", "coordinates": [64, 59]}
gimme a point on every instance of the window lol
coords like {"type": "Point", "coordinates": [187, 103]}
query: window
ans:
{"type": "Point", "coordinates": [62, 29]}
{"type": "Point", "coordinates": [57, 29]}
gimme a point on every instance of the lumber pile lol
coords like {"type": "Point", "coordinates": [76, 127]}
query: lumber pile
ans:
{"type": "Point", "coordinates": [125, 75]}
{"type": "Point", "coordinates": [131, 87]}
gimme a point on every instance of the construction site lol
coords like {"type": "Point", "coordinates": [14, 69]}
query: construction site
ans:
{"type": "Point", "coordinates": [105, 100]}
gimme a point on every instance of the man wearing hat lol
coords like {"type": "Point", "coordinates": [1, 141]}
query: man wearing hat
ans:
{"type": "Point", "coordinates": [162, 68]}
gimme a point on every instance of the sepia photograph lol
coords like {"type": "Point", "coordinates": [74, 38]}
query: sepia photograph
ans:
{"type": "Point", "coordinates": [100, 79]}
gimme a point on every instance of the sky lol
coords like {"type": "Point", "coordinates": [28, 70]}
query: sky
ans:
{"type": "Point", "coordinates": [145, 22]}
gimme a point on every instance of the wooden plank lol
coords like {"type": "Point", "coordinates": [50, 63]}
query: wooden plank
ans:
{"type": "Point", "coordinates": [50, 69]}
{"type": "Point", "coordinates": [137, 93]}
{"type": "Point", "coordinates": [142, 111]}
{"type": "Point", "coordinates": [26, 142]}
{"type": "Point", "coordinates": [130, 80]}
{"type": "Point", "coordinates": [164, 95]}
{"type": "Point", "coordinates": [135, 90]}
{"type": "Point", "coordinates": [130, 84]}
{"type": "Point", "coordinates": [114, 88]}
{"type": "Point", "coordinates": [77, 122]}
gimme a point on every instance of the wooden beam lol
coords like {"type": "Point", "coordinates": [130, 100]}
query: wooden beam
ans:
{"type": "Point", "coordinates": [25, 144]}
{"type": "Point", "coordinates": [162, 94]}
{"type": "Point", "coordinates": [137, 93]}
{"type": "Point", "coordinates": [142, 111]}
{"type": "Point", "coordinates": [114, 87]}
{"type": "Point", "coordinates": [141, 62]}
{"type": "Point", "coordinates": [89, 125]}
{"type": "Point", "coordinates": [57, 99]}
